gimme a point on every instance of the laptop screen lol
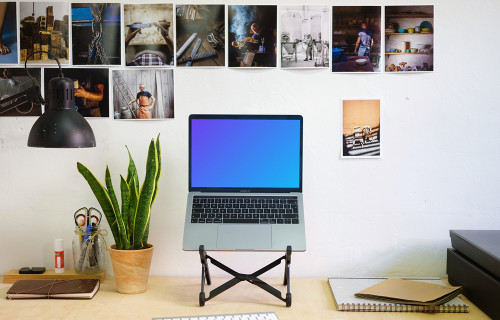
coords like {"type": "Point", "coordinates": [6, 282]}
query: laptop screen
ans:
{"type": "Point", "coordinates": [245, 153]}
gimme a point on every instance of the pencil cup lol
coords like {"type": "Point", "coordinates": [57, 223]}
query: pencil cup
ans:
{"type": "Point", "coordinates": [88, 251]}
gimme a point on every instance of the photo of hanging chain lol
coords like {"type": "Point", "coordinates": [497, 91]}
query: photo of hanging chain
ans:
{"type": "Point", "coordinates": [96, 51]}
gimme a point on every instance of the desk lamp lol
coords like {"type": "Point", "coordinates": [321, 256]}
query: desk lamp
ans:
{"type": "Point", "coordinates": [60, 126]}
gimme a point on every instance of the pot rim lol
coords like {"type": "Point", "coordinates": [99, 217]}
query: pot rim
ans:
{"type": "Point", "coordinates": [113, 248]}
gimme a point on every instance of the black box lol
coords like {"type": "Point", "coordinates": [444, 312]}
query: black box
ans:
{"type": "Point", "coordinates": [480, 246]}
{"type": "Point", "coordinates": [479, 286]}
{"type": "Point", "coordinates": [475, 265]}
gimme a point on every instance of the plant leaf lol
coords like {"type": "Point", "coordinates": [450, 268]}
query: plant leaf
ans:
{"type": "Point", "coordinates": [104, 200]}
{"type": "Point", "coordinates": [134, 199]}
{"type": "Point", "coordinates": [157, 179]}
{"type": "Point", "coordinates": [143, 212]}
{"type": "Point", "coordinates": [119, 219]}
{"type": "Point", "coordinates": [133, 183]}
{"type": "Point", "coordinates": [132, 170]}
{"type": "Point", "coordinates": [125, 192]}
{"type": "Point", "coordinates": [158, 174]}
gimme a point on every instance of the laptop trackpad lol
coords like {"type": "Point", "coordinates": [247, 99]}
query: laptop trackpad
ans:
{"type": "Point", "coordinates": [244, 237]}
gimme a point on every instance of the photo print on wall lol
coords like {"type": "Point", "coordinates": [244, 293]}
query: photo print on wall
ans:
{"type": "Point", "coordinates": [200, 35]}
{"type": "Point", "coordinates": [14, 81]}
{"type": "Point", "coordinates": [356, 39]}
{"type": "Point", "coordinates": [96, 33]}
{"type": "Point", "coordinates": [8, 33]}
{"type": "Point", "coordinates": [361, 128]}
{"type": "Point", "coordinates": [409, 38]}
{"type": "Point", "coordinates": [91, 89]}
{"type": "Point", "coordinates": [148, 34]}
{"type": "Point", "coordinates": [143, 94]}
{"type": "Point", "coordinates": [252, 35]}
{"type": "Point", "coordinates": [305, 36]}
{"type": "Point", "coordinates": [44, 27]}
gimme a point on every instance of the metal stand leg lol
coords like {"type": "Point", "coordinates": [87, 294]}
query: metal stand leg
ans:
{"type": "Point", "coordinates": [238, 277]}
{"type": "Point", "coordinates": [205, 274]}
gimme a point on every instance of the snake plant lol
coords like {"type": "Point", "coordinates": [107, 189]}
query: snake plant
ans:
{"type": "Point", "coordinates": [130, 223]}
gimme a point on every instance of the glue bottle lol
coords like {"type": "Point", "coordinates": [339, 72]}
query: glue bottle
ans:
{"type": "Point", "coordinates": [59, 255]}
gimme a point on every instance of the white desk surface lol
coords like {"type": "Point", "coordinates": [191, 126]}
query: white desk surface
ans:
{"type": "Point", "coordinates": [177, 296]}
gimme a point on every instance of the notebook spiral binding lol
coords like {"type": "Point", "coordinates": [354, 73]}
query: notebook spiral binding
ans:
{"type": "Point", "coordinates": [402, 308]}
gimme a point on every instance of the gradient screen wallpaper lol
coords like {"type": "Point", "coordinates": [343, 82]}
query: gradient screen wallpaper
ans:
{"type": "Point", "coordinates": [245, 153]}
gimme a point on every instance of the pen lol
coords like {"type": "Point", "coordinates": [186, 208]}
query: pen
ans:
{"type": "Point", "coordinates": [82, 264]}
{"type": "Point", "coordinates": [95, 247]}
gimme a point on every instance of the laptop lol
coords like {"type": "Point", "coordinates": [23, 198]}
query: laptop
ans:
{"type": "Point", "coordinates": [245, 183]}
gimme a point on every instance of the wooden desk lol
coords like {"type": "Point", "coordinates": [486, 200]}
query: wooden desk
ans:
{"type": "Point", "coordinates": [167, 297]}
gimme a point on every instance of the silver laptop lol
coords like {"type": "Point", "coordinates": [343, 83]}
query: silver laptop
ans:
{"type": "Point", "coordinates": [245, 183]}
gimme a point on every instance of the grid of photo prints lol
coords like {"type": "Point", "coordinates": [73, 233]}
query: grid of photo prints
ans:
{"type": "Point", "coordinates": [122, 56]}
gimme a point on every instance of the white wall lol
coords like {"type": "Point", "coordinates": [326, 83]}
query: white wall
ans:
{"type": "Point", "coordinates": [389, 216]}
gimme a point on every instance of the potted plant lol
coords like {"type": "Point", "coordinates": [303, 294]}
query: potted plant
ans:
{"type": "Point", "coordinates": [131, 255]}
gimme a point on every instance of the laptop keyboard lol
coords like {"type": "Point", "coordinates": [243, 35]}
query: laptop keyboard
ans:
{"type": "Point", "coordinates": [235, 209]}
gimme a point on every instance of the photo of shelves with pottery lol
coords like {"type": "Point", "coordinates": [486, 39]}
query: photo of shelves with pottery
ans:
{"type": "Point", "coordinates": [409, 38]}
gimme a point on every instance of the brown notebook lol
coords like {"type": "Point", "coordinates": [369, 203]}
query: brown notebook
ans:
{"type": "Point", "coordinates": [59, 289]}
{"type": "Point", "coordinates": [402, 291]}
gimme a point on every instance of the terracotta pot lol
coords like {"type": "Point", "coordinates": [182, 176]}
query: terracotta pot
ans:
{"type": "Point", "coordinates": [131, 268]}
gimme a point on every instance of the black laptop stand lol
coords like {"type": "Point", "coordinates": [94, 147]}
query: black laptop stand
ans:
{"type": "Point", "coordinates": [238, 277]}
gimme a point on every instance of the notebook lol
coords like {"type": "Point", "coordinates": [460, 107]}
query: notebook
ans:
{"type": "Point", "coordinates": [344, 290]}
{"type": "Point", "coordinates": [245, 183]}
{"type": "Point", "coordinates": [57, 289]}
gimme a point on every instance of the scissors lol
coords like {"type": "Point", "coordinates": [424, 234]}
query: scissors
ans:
{"type": "Point", "coordinates": [87, 217]}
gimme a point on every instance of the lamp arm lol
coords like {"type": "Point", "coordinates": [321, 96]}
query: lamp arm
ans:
{"type": "Point", "coordinates": [53, 56]}
{"type": "Point", "coordinates": [35, 84]}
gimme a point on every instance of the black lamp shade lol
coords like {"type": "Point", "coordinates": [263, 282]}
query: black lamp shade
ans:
{"type": "Point", "coordinates": [61, 126]}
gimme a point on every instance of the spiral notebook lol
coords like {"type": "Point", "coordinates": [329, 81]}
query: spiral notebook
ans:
{"type": "Point", "coordinates": [343, 290]}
